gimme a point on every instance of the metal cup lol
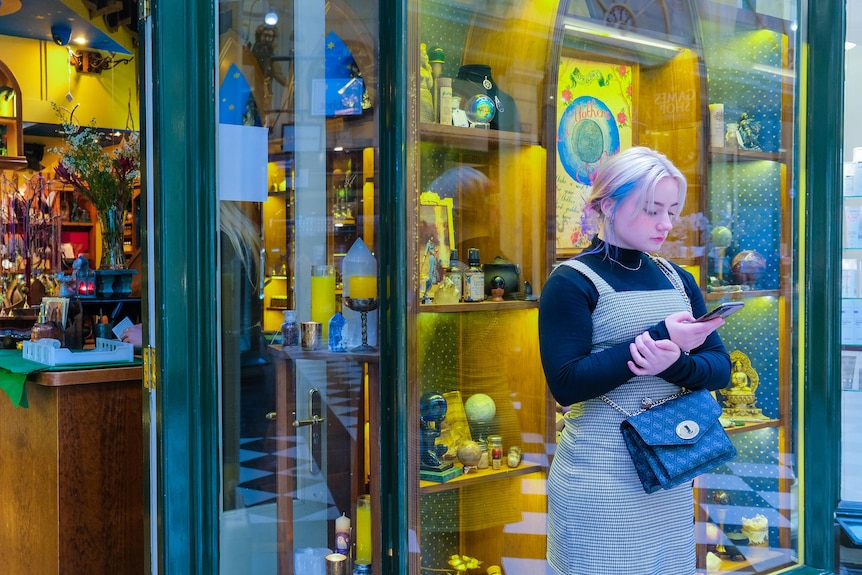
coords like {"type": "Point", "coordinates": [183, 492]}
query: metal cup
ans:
{"type": "Point", "coordinates": [103, 330]}
{"type": "Point", "coordinates": [312, 335]}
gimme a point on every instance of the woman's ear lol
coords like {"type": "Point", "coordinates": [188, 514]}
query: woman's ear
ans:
{"type": "Point", "coordinates": [607, 207]}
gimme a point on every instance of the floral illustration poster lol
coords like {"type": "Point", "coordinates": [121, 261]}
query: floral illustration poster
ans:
{"type": "Point", "coordinates": [594, 122]}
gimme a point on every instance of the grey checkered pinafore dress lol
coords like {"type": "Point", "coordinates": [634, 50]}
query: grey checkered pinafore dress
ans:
{"type": "Point", "coordinates": [600, 521]}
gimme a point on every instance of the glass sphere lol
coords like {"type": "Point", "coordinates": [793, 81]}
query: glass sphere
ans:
{"type": "Point", "coordinates": [480, 109]}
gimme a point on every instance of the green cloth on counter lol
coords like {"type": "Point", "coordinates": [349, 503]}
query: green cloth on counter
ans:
{"type": "Point", "coordinates": [14, 370]}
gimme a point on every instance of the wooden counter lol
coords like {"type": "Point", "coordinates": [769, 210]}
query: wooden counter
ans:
{"type": "Point", "coordinates": [71, 474]}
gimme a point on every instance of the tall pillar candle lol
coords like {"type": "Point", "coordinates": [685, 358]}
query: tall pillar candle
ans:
{"type": "Point", "coordinates": [363, 530]}
{"type": "Point", "coordinates": [342, 535]}
{"type": "Point", "coordinates": [322, 295]}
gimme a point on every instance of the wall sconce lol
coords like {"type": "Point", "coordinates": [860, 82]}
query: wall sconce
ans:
{"type": "Point", "coordinates": [87, 62]}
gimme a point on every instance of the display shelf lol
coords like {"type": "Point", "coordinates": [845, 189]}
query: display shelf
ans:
{"type": "Point", "coordinates": [756, 559]}
{"type": "Point", "coordinates": [474, 138]}
{"type": "Point", "coordinates": [740, 155]}
{"type": "Point", "coordinates": [479, 306]}
{"type": "Point", "coordinates": [476, 476]}
{"type": "Point", "coordinates": [751, 426]}
{"type": "Point", "coordinates": [13, 158]}
{"type": "Point", "coordinates": [738, 295]}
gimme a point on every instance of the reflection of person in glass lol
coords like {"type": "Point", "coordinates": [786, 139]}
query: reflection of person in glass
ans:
{"type": "Point", "coordinates": [612, 322]}
{"type": "Point", "coordinates": [264, 51]}
{"type": "Point", "coordinates": [475, 210]}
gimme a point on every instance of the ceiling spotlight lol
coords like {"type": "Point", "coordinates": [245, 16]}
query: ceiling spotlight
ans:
{"type": "Point", "coordinates": [60, 34]}
{"type": "Point", "coordinates": [271, 18]}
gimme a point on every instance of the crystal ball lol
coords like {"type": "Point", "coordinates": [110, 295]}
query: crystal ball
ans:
{"type": "Point", "coordinates": [748, 267]}
{"type": "Point", "coordinates": [722, 236]}
{"type": "Point", "coordinates": [480, 109]}
{"type": "Point", "coordinates": [469, 453]}
{"type": "Point", "coordinates": [480, 408]}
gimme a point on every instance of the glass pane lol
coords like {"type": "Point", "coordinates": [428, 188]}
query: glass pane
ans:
{"type": "Point", "coordinates": [515, 107]}
{"type": "Point", "coordinates": [851, 336]}
{"type": "Point", "coordinates": [297, 150]}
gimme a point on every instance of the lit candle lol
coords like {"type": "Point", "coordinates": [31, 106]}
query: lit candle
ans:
{"type": "Point", "coordinates": [363, 530]}
{"type": "Point", "coordinates": [336, 564]}
{"type": "Point", "coordinates": [363, 287]}
{"type": "Point", "coordinates": [342, 534]}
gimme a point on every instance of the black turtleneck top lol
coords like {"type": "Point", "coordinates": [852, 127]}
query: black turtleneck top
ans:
{"type": "Point", "coordinates": [565, 329]}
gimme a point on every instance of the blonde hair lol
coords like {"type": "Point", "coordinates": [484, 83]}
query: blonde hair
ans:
{"type": "Point", "coordinates": [243, 235]}
{"type": "Point", "coordinates": [633, 171]}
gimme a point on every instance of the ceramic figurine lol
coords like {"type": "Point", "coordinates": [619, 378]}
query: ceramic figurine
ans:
{"type": "Point", "coordinates": [426, 86]}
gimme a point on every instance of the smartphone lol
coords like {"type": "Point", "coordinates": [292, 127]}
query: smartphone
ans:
{"type": "Point", "coordinates": [722, 310]}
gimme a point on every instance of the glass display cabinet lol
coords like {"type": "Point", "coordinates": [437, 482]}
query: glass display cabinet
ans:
{"type": "Point", "coordinates": [11, 122]}
{"type": "Point", "coordinates": [514, 107]}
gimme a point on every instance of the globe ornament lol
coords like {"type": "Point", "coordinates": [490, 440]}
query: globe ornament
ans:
{"type": "Point", "coordinates": [480, 408]}
{"type": "Point", "coordinates": [721, 236]}
{"type": "Point", "coordinates": [748, 267]}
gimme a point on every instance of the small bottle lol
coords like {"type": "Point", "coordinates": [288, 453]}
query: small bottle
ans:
{"type": "Point", "coordinates": [338, 333]}
{"type": "Point", "coordinates": [42, 329]}
{"type": "Point", "coordinates": [495, 448]}
{"type": "Point", "coordinates": [474, 278]}
{"type": "Point", "coordinates": [290, 329]}
{"type": "Point", "coordinates": [456, 274]}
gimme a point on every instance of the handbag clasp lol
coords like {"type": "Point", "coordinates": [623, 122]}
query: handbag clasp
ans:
{"type": "Point", "coordinates": [687, 429]}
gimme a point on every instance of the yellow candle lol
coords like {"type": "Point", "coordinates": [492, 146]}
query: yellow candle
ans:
{"type": "Point", "coordinates": [363, 287]}
{"type": "Point", "coordinates": [363, 530]}
{"type": "Point", "coordinates": [323, 296]}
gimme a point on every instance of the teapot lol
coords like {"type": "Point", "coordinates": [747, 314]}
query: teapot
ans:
{"type": "Point", "coordinates": [504, 270]}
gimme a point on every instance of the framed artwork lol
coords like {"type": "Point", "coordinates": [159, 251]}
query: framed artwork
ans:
{"type": "Point", "coordinates": [595, 105]}
{"type": "Point", "coordinates": [851, 364]}
{"type": "Point", "coordinates": [437, 240]}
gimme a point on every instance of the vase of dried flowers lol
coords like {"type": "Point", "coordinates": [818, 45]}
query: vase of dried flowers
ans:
{"type": "Point", "coordinates": [103, 172]}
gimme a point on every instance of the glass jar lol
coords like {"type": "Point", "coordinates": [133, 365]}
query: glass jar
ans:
{"type": "Point", "coordinates": [495, 450]}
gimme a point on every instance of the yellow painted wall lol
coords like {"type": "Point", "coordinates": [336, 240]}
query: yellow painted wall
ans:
{"type": "Point", "coordinates": [43, 71]}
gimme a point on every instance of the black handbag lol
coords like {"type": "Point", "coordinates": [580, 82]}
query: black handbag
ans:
{"type": "Point", "coordinates": [674, 440]}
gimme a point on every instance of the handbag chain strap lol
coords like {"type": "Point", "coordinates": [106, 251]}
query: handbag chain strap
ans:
{"type": "Point", "coordinates": [647, 403]}
{"type": "Point", "coordinates": [672, 276]}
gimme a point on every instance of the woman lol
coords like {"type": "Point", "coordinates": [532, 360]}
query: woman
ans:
{"type": "Point", "coordinates": [612, 323]}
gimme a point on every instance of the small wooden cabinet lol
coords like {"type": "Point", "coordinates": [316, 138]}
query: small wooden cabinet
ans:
{"type": "Point", "coordinates": [327, 421]}
{"type": "Point", "coordinates": [72, 479]}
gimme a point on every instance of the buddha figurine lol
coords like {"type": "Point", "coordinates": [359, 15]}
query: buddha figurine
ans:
{"type": "Point", "coordinates": [740, 398]}
{"type": "Point", "coordinates": [739, 381]}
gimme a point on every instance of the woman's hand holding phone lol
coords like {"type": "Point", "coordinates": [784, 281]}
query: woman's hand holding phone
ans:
{"type": "Point", "coordinates": [688, 333]}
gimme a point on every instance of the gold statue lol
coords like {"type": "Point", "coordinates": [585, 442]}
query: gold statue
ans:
{"type": "Point", "coordinates": [740, 398]}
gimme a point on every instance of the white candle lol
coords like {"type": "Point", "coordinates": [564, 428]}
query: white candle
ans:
{"type": "Point", "coordinates": [342, 535]}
